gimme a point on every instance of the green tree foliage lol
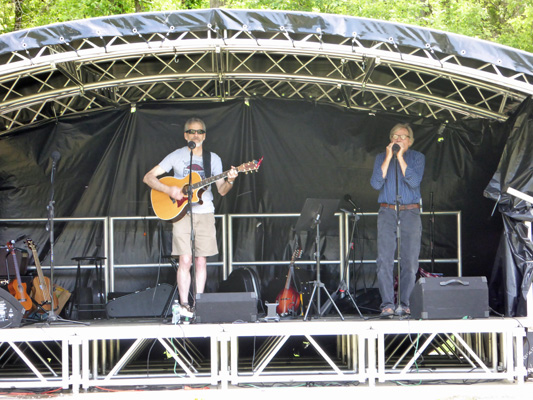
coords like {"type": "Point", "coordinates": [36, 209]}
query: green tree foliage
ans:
{"type": "Point", "coordinates": [509, 22]}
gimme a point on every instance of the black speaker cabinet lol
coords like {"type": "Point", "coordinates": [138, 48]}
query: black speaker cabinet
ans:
{"type": "Point", "coordinates": [226, 307]}
{"type": "Point", "coordinates": [150, 302]}
{"type": "Point", "coordinates": [450, 298]}
{"type": "Point", "coordinates": [11, 311]}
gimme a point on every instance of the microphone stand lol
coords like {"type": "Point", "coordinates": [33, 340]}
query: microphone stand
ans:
{"type": "Point", "coordinates": [432, 233]}
{"type": "Point", "coordinates": [193, 239]}
{"type": "Point", "coordinates": [398, 228]}
{"type": "Point", "coordinates": [50, 228]}
{"type": "Point", "coordinates": [52, 316]}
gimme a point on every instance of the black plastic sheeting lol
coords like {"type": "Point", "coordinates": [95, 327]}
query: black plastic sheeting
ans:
{"type": "Point", "coordinates": [309, 150]}
{"type": "Point", "coordinates": [513, 268]}
{"type": "Point", "coordinates": [268, 21]}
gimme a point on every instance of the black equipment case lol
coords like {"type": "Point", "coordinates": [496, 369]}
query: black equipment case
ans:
{"type": "Point", "coordinates": [450, 298]}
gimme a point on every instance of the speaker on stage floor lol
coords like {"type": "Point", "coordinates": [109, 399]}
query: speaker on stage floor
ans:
{"type": "Point", "coordinates": [150, 302]}
{"type": "Point", "coordinates": [226, 307]}
{"type": "Point", "coordinates": [450, 298]}
{"type": "Point", "coordinates": [11, 311]}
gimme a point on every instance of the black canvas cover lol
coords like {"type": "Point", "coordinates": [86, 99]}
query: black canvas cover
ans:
{"type": "Point", "coordinates": [309, 150]}
{"type": "Point", "coordinates": [513, 267]}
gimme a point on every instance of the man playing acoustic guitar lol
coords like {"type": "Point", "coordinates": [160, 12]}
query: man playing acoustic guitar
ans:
{"type": "Point", "coordinates": [203, 211]}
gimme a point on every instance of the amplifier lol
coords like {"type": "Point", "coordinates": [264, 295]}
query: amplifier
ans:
{"type": "Point", "coordinates": [450, 298]}
{"type": "Point", "coordinates": [226, 307]}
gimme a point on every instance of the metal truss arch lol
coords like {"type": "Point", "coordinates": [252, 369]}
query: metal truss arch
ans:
{"type": "Point", "coordinates": [65, 71]}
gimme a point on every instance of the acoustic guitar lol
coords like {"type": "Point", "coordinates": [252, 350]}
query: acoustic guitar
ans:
{"type": "Point", "coordinates": [16, 287]}
{"type": "Point", "coordinates": [167, 208]}
{"type": "Point", "coordinates": [289, 299]}
{"type": "Point", "coordinates": [41, 284]}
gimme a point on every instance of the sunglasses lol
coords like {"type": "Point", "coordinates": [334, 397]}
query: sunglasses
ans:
{"type": "Point", "coordinates": [403, 137]}
{"type": "Point", "coordinates": [193, 131]}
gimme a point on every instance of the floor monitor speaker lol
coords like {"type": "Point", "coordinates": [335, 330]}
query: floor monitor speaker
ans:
{"type": "Point", "coordinates": [11, 311]}
{"type": "Point", "coordinates": [450, 298]}
{"type": "Point", "coordinates": [150, 302]}
{"type": "Point", "coordinates": [226, 307]}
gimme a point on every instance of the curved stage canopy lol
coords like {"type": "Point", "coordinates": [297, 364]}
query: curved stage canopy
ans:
{"type": "Point", "coordinates": [218, 54]}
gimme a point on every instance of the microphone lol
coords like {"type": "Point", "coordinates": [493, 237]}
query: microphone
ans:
{"type": "Point", "coordinates": [395, 148]}
{"type": "Point", "coordinates": [348, 198]}
{"type": "Point", "coordinates": [191, 145]}
{"type": "Point", "coordinates": [319, 212]}
{"type": "Point", "coordinates": [56, 155]}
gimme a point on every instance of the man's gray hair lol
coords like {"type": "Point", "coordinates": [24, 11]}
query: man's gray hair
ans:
{"type": "Point", "coordinates": [192, 120]}
{"type": "Point", "coordinates": [407, 127]}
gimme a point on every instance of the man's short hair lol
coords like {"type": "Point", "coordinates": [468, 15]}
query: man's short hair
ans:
{"type": "Point", "coordinates": [192, 120]}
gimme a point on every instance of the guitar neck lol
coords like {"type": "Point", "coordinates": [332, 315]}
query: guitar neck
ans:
{"type": "Point", "coordinates": [42, 282]}
{"type": "Point", "coordinates": [296, 254]}
{"type": "Point", "coordinates": [17, 271]}
{"type": "Point", "coordinates": [288, 281]}
{"type": "Point", "coordinates": [209, 180]}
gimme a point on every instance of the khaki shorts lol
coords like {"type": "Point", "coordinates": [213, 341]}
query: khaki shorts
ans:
{"type": "Point", "coordinates": [205, 239]}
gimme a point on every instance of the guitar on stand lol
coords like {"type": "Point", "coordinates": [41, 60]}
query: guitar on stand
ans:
{"type": "Point", "coordinates": [289, 299]}
{"type": "Point", "coordinates": [41, 290]}
{"type": "Point", "coordinates": [167, 208]}
{"type": "Point", "coordinates": [18, 288]}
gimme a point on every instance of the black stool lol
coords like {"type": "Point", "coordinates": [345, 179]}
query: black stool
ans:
{"type": "Point", "coordinates": [99, 270]}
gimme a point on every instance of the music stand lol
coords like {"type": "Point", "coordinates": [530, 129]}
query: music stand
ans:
{"type": "Point", "coordinates": [343, 287]}
{"type": "Point", "coordinates": [318, 214]}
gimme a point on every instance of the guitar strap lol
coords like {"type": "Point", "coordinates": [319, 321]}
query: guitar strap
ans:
{"type": "Point", "coordinates": [206, 156]}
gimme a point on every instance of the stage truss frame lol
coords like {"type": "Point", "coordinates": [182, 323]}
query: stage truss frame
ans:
{"type": "Point", "coordinates": [226, 55]}
{"type": "Point", "coordinates": [371, 351]}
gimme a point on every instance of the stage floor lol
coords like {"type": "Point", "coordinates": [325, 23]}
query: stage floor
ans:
{"type": "Point", "coordinates": [153, 354]}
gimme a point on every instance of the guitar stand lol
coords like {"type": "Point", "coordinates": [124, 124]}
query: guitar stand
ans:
{"type": "Point", "coordinates": [317, 212]}
{"type": "Point", "coordinates": [320, 285]}
{"type": "Point", "coordinates": [39, 314]}
{"type": "Point", "coordinates": [341, 289]}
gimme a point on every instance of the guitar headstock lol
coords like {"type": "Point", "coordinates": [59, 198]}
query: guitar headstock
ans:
{"type": "Point", "coordinates": [296, 254]}
{"type": "Point", "coordinates": [251, 166]}
{"type": "Point", "coordinates": [30, 244]}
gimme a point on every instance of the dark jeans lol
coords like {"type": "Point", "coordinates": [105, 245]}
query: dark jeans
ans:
{"type": "Point", "coordinates": [410, 236]}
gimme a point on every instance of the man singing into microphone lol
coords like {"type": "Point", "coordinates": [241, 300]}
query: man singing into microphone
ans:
{"type": "Point", "coordinates": [203, 214]}
{"type": "Point", "coordinates": [405, 166]}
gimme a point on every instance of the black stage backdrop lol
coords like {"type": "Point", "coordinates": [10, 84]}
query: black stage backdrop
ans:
{"type": "Point", "coordinates": [309, 150]}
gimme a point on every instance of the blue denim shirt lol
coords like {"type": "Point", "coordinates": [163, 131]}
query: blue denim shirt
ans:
{"type": "Point", "coordinates": [408, 185]}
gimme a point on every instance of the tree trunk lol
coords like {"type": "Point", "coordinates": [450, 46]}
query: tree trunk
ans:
{"type": "Point", "coordinates": [425, 13]}
{"type": "Point", "coordinates": [216, 3]}
{"type": "Point", "coordinates": [18, 15]}
{"type": "Point", "coordinates": [138, 6]}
